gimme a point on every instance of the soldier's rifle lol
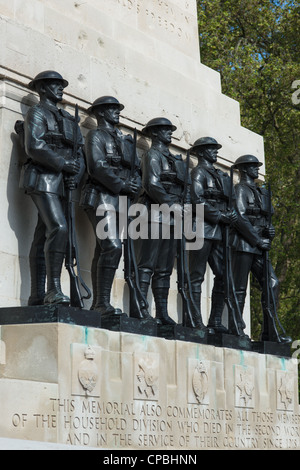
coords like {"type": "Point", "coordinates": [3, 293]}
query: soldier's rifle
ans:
{"type": "Point", "coordinates": [269, 302]}
{"type": "Point", "coordinates": [183, 277]}
{"type": "Point", "coordinates": [71, 258]}
{"type": "Point", "coordinates": [234, 311]}
{"type": "Point", "coordinates": [137, 299]}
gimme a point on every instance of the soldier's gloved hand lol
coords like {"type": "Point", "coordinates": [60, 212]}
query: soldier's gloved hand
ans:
{"type": "Point", "coordinates": [71, 167]}
{"type": "Point", "coordinates": [264, 244]}
{"type": "Point", "coordinates": [130, 187]}
{"type": "Point", "coordinates": [229, 217]}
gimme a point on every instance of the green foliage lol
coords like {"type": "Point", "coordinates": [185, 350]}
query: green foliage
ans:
{"type": "Point", "coordinates": [255, 46]}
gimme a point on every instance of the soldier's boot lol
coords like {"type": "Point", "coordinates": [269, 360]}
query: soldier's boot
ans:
{"type": "Point", "coordinates": [38, 281]}
{"type": "Point", "coordinates": [241, 296]}
{"type": "Point", "coordinates": [105, 278]}
{"type": "Point", "coordinates": [215, 319]}
{"type": "Point", "coordinates": [54, 295]}
{"type": "Point", "coordinates": [161, 306]}
{"type": "Point", "coordinates": [94, 282]}
{"type": "Point", "coordinates": [270, 331]}
{"type": "Point", "coordinates": [142, 313]}
{"type": "Point", "coordinates": [196, 312]}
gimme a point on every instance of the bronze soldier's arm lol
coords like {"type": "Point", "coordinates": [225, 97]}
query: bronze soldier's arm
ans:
{"type": "Point", "coordinates": [243, 224]}
{"type": "Point", "coordinates": [37, 149]}
{"type": "Point", "coordinates": [97, 165]}
{"type": "Point", "coordinates": [151, 176]}
{"type": "Point", "coordinates": [211, 214]}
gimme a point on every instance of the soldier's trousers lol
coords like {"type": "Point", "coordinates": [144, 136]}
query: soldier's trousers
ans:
{"type": "Point", "coordinates": [155, 259]}
{"type": "Point", "coordinates": [108, 251]}
{"type": "Point", "coordinates": [212, 254]}
{"type": "Point", "coordinates": [51, 231]}
{"type": "Point", "coordinates": [243, 264]}
{"type": "Point", "coordinates": [50, 238]}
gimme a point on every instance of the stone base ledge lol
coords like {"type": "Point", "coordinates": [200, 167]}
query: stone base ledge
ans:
{"type": "Point", "coordinates": [84, 386]}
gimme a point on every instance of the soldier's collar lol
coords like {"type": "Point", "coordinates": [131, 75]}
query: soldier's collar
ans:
{"type": "Point", "coordinates": [162, 148]}
{"type": "Point", "coordinates": [207, 165]}
{"type": "Point", "coordinates": [50, 106]}
{"type": "Point", "coordinates": [249, 182]}
{"type": "Point", "coordinates": [112, 131]}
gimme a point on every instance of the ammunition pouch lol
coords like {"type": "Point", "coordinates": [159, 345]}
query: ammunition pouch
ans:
{"type": "Point", "coordinates": [29, 177]}
{"type": "Point", "coordinates": [215, 195]}
{"type": "Point", "coordinates": [258, 221]}
{"type": "Point", "coordinates": [254, 211]}
{"type": "Point", "coordinates": [54, 139]}
{"type": "Point", "coordinates": [216, 198]}
{"type": "Point", "coordinates": [89, 197]}
{"type": "Point", "coordinates": [113, 160]}
{"type": "Point", "coordinates": [168, 176]}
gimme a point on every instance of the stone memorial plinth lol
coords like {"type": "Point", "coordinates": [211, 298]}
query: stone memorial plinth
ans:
{"type": "Point", "coordinates": [94, 388]}
{"type": "Point", "coordinates": [68, 378]}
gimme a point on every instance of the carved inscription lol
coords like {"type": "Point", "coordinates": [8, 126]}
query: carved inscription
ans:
{"type": "Point", "coordinates": [83, 421]}
{"type": "Point", "coordinates": [162, 15]}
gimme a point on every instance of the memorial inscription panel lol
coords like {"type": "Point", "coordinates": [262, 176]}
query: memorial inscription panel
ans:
{"type": "Point", "coordinates": [91, 422]}
{"type": "Point", "coordinates": [130, 399]}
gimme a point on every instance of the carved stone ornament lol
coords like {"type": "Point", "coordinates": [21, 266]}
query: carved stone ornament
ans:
{"type": "Point", "coordinates": [147, 379]}
{"type": "Point", "coordinates": [87, 371]}
{"type": "Point", "coordinates": [244, 387]}
{"type": "Point", "coordinates": [200, 382]}
{"type": "Point", "coordinates": [285, 391]}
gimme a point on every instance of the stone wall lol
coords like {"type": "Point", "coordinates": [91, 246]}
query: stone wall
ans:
{"type": "Point", "coordinates": [146, 53]}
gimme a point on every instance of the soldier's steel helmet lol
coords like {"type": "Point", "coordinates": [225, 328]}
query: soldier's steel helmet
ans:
{"type": "Point", "coordinates": [104, 100]}
{"type": "Point", "coordinates": [159, 121]}
{"type": "Point", "coordinates": [47, 75]}
{"type": "Point", "coordinates": [205, 141]}
{"type": "Point", "coordinates": [244, 159]}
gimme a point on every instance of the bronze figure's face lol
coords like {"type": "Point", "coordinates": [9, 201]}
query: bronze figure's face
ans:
{"type": "Point", "coordinates": [252, 170]}
{"type": "Point", "coordinates": [52, 90]}
{"type": "Point", "coordinates": [111, 113]}
{"type": "Point", "coordinates": [209, 152]}
{"type": "Point", "coordinates": [164, 134]}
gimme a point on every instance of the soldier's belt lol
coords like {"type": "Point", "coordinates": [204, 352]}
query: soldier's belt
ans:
{"type": "Point", "coordinates": [218, 204]}
{"type": "Point", "coordinates": [121, 172]}
{"type": "Point", "coordinates": [215, 195]}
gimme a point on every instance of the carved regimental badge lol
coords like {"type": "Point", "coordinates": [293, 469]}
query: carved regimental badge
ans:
{"type": "Point", "coordinates": [88, 372]}
{"type": "Point", "coordinates": [147, 377]}
{"type": "Point", "coordinates": [285, 391]}
{"type": "Point", "coordinates": [200, 382]}
{"type": "Point", "coordinates": [198, 378]}
{"type": "Point", "coordinates": [244, 386]}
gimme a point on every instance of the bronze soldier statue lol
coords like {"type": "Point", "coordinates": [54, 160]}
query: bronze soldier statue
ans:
{"type": "Point", "coordinates": [211, 187]}
{"type": "Point", "coordinates": [162, 183]}
{"type": "Point", "coordinates": [251, 242]}
{"type": "Point", "coordinates": [108, 159]}
{"type": "Point", "coordinates": [51, 169]}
